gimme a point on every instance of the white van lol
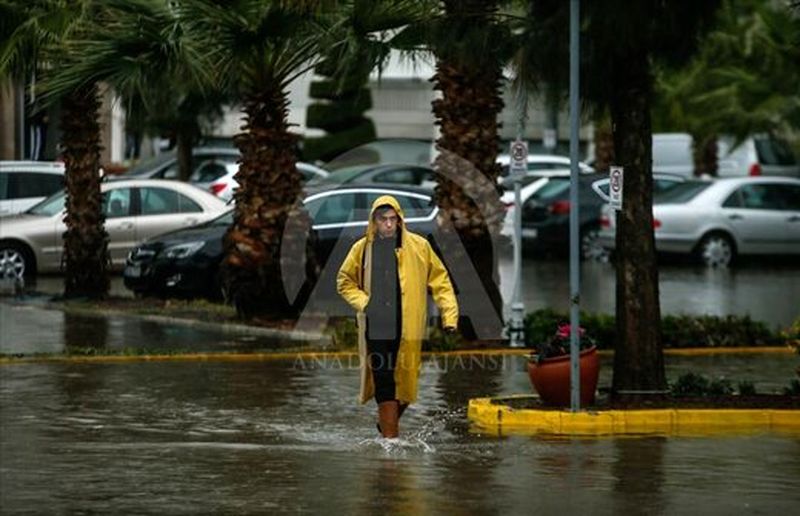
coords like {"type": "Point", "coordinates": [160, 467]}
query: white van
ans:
{"type": "Point", "coordinates": [25, 183]}
{"type": "Point", "coordinates": [758, 155]}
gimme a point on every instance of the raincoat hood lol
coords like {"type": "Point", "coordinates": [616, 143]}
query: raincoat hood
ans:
{"type": "Point", "coordinates": [382, 201]}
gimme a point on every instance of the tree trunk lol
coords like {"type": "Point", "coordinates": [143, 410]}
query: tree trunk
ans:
{"type": "Point", "coordinates": [603, 146]}
{"type": "Point", "coordinates": [184, 141]}
{"type": "Point", "coordinates": [86, 257]}
{"type": "Point", "coordinates": [638, 357]}
{"type": "Point", "coordinates": [704, 153]}
{"type": "Point", "coordinates": [267, 199]}
{"type": "Point", "coordinates": [467, 191]}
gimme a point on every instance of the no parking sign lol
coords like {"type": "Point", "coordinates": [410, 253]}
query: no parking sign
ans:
{"type": "Point", "coordinates": [519, 157]}
{"type": "Point", "coordinates": [615, 182]}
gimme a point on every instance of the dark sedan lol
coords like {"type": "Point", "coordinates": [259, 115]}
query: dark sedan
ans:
{"type": "Point", "coordinates": [186, 263]}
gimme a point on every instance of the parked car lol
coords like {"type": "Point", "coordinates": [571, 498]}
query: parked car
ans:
{"type": "Point", "coordinates": [661, 183]}
{"type": "Point", "coordinates": [720, 220]}
{"type": "Point", "coordinates": [208, 164]}
{"type": "Point", "coordinates": [755, 156]}
{"type": "Point", "coordinates": [394, 174]}
{"type": "Point", "coordinates": [32, 242]}
{"type": "Point", "coordinates": [185, 263]}
{"type": "Point", "coordinates": [25, 183]}
{"type": "Point", "coordinates": [224, 185]}
{"type": "Point", "coordinates": [545, 216]}
{"type": "Point", "coordinates": [538, 165]}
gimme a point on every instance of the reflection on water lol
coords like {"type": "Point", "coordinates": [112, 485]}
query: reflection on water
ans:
{"type": "Point", "coordinates": [766, 293]}
{"type": "Point", "coordinates": [266, 437]}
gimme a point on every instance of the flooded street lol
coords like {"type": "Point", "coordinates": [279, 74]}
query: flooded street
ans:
{"type": "Point", "coordinates": [285, 436]}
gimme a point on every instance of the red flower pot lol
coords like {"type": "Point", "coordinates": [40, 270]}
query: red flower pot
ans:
{"type": "Point", "coordinates": [550, 378]}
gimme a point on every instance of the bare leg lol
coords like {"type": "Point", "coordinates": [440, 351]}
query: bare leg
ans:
{"type": "Point", "coordinates": [388, 418]}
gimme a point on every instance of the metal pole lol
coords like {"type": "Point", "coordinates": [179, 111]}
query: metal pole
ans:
{"type": "Point", "coordinates": [517, 307]}
{"type": "Point", "coordinates": [574, 250]}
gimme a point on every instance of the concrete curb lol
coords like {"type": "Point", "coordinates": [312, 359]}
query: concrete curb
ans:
{"type": "Point", "coordinates": [489, 416]}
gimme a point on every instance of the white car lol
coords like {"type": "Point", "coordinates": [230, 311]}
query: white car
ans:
{"type": "Point", "coordinates": [25, 183]}
{"type": "Point", "coordinates": [532, 184]}
{"type": "Point", "coordinates": [224, 185]}
{"type": "Point", "coordinates": [758, 155]}
{"type": "Point", "coordinates": [135, 210]}
{"type": "Point", "coordinates": [538, 165]}
{"type": "Point", "coordinates": [720, 220]}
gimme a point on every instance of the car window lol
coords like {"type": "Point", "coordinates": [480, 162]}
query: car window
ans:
{"type": "Point", "coordinates": [117, 203]}
{"type": "Point", "coordinates": [223, 220]}
{"type": "Point", "coordinates": [22, 185]}
{"type": "Point", "coordinates": [160, 201]}
{"type": "Point", "coordinates": [413, 207]}
{"type": "Point", "coordinates": [4, 186]}
{"type": "Point", "coordinates": [680, 193]}
{"type": "Point", "coordinates": [332, 209]}
{"type": "Point", "coordinates": [774, 152]}
{"type": "Point", "coordinates": [400, 176]}
{"type": "Point", "coordinates": [209, 171]}
{"type": "Point", "coordinates": [768, 197]}
{"type": "Point", "coordinates": [791, 194]}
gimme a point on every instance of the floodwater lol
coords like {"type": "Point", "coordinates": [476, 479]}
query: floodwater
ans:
{"type": "Point", "coordinates": [287, 437]}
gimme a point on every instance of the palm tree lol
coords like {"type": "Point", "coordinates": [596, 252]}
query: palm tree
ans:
{"type": "Point", "coordinates": [741, 82]}
{"type": "Point", "coordinates": [32, 46]}
{"type": "Point", "coordinates": [621, 42]}
{"type": "Point", "coordinates": [259, 48]}
{"type": "Point", "coordinates": [129, 45]}
{"type": "Point", "coordinates": [470, 81]}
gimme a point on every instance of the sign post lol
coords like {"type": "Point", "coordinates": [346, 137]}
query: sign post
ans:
{"type": "Point", "coordinates": [518, 167]}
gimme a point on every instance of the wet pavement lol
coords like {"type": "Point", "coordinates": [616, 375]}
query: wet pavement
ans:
{"type": "Point", "coordinates": [287, 437]}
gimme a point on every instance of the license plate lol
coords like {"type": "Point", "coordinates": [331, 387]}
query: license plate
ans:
{"type": "Point", "coordinates": [529, 233]}
{"type": "Point", "coordinates": [133, 271]}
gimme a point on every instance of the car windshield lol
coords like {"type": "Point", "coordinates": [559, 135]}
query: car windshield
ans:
{"type": "Point", "coordinates": [774, 152]}
{"type": "Point", "coordinates": [681, 193]}
{"type": "Point", "coordinates": [555, 187]}
{"type": "Point", "coordinates": [148, 165]}
{"type": "Point", "coordinates": [50, 206]}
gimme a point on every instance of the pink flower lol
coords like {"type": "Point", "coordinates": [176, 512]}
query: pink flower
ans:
{"type": "Point", "coordinates": [564, 331]}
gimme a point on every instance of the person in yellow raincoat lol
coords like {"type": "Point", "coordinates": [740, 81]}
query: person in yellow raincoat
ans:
{"type": "Point", "coordinates": [385, 278]}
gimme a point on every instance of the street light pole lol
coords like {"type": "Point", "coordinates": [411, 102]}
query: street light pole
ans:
{"type": "Point", "coordinates": [574, 250]}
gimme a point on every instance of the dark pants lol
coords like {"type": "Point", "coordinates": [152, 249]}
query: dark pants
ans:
{"type": "Point", "coordinates": [382, 361]}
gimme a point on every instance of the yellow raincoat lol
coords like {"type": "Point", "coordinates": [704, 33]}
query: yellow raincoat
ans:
{"type": "Point", "coordinates": [418, 269]}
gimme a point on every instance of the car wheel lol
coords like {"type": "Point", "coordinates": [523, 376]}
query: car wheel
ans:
{"type": "Point", "coordinates": [590, 246]}
{"type": "Point", "coordinates": [716, 250]}
{"type": "Point", "coordinates": [15, 262]}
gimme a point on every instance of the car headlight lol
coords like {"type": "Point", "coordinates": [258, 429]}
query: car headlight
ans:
{"type": "Point", "coordinates": [183, 250]}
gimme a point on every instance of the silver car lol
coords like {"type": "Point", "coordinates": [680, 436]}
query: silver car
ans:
{"type": "Point", "coordinates": [722, 219]}
{"type": "Point", "coordinates": [135, 210]}
{"type": "Point", "coordinates": [25, 183]}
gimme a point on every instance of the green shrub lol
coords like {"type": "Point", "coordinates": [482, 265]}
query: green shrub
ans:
{"type": "Point", "coordinates": [690, 384]}
{"type": "Point", "coordinates": [793, 389]}
{"type": "Point", "coordinates": [720, 387]}
{"type": "Point", "coordinates": [678, 331]}
{"type": "Point", "coordinates": [746, 388]}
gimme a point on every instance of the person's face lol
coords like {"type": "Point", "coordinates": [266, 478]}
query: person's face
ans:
{"type": "Point", "coordinates": [386, 222]}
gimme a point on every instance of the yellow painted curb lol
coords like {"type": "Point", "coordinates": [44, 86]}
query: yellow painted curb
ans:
{"type": "Point", "coordinates": [319, 355]}
{"type": "Point", "coordinates": [499, 419]}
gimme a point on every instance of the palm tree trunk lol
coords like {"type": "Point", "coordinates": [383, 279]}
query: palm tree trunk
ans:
{"type": "Point", "coordinates": [704, 153]}
{"type": "Point", "coordinates": [184, 141]}
{"type": "Point", "coordinates": [638, 356]}
{"type": "Point", "coordinates": [85, 241]}
{"type": "Point", "coordinates": [269, 184]}
{"type": "Point", "coordinates": [466, 188]}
